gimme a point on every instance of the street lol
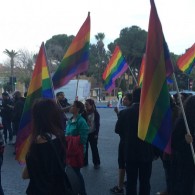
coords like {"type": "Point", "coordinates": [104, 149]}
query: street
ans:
{"type": "Point", "coordinates": [98, 182]}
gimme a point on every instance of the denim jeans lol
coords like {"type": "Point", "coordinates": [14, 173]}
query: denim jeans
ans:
{"type": "Point", "coordinates": [92, 140]}
{"type": "Point", "coordinates": [78, 172]}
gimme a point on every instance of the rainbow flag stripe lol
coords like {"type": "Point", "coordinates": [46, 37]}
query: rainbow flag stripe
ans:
{"type": "Point", "coordinates": [40, 86]}
{"type": "Point", "coordinates": [186, 62]}
{"type": "Point", "coordinates": [115, 68]}
{"type": "Point", "coordinates": [155, 112]}
{"type": "Point", "coordinates": [76, 59]}
{"type": "Point", "coordinates": [141, 71]}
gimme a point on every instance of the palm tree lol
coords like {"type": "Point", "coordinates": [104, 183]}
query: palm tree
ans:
{"type": "Point", "coordinates": [100, 50]}
{"type": "Point", "coordinates": [100, 45]}
{"type": "Point", "coordinates": [12, 54]}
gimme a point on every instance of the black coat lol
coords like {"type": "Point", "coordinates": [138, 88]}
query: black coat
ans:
{"type": "Point", "coordinates": [136, 150]}
{"type": "Point", "coordinates": [6, 111]}
{"type": "Point", "coordinates": [120, 124]}
{"type": "Point", "coordinates": [179, 145]}
{"type": "Point", "coordinates": [18, 109]}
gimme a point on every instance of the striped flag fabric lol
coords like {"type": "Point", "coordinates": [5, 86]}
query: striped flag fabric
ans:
{"type": "Point", "coordinates": [40, 86]}
{"type": "Point", "coordinates": [141, 71]}
{"type": "Point", "coordinates": [186, 62]}
{"type": "Point", "coordinates": [155, 112]}
{"type": "Point", "coordinates": [76, 59]}
{"type": "Point", "coordinates": [115, 68]}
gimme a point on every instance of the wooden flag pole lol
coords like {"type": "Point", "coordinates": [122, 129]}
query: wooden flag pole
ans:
{"type": "Point", "coordinates": [76, 98]}
{"type": "Point", "coordinates": [184, 116]}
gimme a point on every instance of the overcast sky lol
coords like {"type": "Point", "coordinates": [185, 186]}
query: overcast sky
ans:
{"type": "Point", "coordinates": [24, 24]}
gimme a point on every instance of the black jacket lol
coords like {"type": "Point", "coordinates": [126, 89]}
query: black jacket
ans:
{"type": "Point", "coordinates": [136, 150]}
{"type": "Point", "coordinates": [18, 109]}
{"type": "Point", "coordinates": [6, 111]}
{"type": "Point", "coordinates": [179, 145]}
{"type": "Point", "coordinates": [120, 124]}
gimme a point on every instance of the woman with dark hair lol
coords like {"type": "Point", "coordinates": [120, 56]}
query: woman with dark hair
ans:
{"type": "Point", "coordinates": [43, 168]}
{"type": "Point", "coordinates": [77, 127]}
{"type": "Point", "coordinates": [184, 173]}
{"type": "Point", "coordinates": [93, 120]}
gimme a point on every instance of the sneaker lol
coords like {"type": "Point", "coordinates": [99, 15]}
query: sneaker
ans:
{"type": "Point", "coordinates": [116, 190]}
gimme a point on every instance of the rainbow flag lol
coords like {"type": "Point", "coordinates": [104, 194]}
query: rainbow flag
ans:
{"type": "Point", "coordinates": [40, 86]}
{"type": "Point", "coordinates": [115, 68]}
{"type": "Point", "coordinates": [76, 59]}
{"type": "Point", "coordinates": [155, 112]}
{"type": "Point", "coordinates": [141, 71]}
{"type": "Point", "coordinates": [186, 62]}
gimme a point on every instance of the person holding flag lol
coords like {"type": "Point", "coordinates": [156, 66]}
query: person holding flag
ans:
{"type": "Point", "coordinates": [184, 173]}
{"type": "Point", "coordinates": [138, 154]}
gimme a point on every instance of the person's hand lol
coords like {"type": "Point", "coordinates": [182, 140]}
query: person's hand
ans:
{"type": "Point", "coordinates": [188, 138]}
{"type": "Point", "coordinates": [116, 110]}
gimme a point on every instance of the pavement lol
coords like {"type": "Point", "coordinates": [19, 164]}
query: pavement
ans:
{"type": "Point", "coordinates": [98, 182]}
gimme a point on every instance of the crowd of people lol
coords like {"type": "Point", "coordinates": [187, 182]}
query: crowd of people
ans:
{"type": "Point", "coordinates": [58, 142]}
{"type": "Point", "coordinates": [137, 156]}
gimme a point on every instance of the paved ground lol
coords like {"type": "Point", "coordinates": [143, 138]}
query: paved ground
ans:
{"type": "Point", "coordinates": [98, 182]}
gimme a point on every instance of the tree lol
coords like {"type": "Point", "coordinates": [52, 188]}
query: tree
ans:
{"type": "Point", "coordinates": [25, 64]}
{"type": "Point", "coordinates": [101, 56]}
{"type": "Point", "coordinates": [56, 48]}
{"type": "Point", "coordinates": [11, 54]}
{"type": "Point", "coordinates": [132, 42]}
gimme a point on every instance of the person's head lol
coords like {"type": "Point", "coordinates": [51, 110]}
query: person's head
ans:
{"type": "Point", "coordinates": [60, 95]}
{"type": "Point", "coordinates": [136, 95]}
{"type": "Point", "coordinates": [90, 105]}
{"type": "Point", "coordinates": [77, 108]}
{"type": "Point", "coordinates": [5, 95]}
{"type": "Point", "coordinates": [127, 99]}
{"type": "Point", "coordinates": [17, 95]}
{"type": "Point", "coordinates": [47, 118]}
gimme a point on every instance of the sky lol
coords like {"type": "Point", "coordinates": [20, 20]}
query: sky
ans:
{"type": "Point", "coordinates": [25, 24]}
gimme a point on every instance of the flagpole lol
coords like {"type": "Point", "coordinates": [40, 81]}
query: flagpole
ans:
{"type": "Point", "coordinates": [76, 98]}
{"type": "Point", "coordinates": [133, 75]}
{"type": "Point", "coordinates": [184, 116]}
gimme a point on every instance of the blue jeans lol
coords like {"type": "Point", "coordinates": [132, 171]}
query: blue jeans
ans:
{"type": "Point", "coordinates": [94, 149]}
{"type": "Point", "coordinates": [78, 172]}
